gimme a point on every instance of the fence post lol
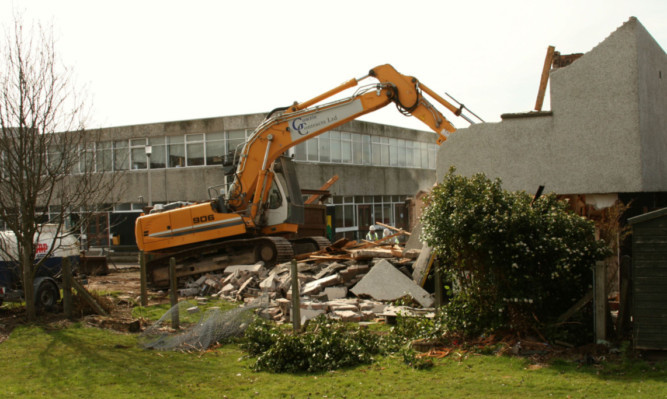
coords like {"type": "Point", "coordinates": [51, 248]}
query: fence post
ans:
{"type": "Point", "coordinates": [142, 278]}
{"type": "Point", "coordinates": [600, 301]}
{"type": "Point", "coordinates": [296, 306]}
{"type": "Point", "coordinates": [67, 287]}
{"type": "Point", "coordinates": [173, 295]}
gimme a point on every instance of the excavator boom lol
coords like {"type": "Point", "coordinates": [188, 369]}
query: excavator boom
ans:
{"type": "Point", "coordinates": [252, 220]}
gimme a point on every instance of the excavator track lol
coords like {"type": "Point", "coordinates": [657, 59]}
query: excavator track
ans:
{"type": "Point", "coordinates": [309, 244]}
{"type": "Point", "coordinates": [211, 257]}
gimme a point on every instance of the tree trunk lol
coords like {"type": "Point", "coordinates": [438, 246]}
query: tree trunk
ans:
{"type": "Point", "coordinates": [27, 263]}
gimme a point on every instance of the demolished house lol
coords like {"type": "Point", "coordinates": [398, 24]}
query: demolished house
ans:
{"type": "Point", "coordinates": [601, 144]}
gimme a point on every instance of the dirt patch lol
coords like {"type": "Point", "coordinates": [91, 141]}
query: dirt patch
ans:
{"type": "Point", "coordinates": [120, 289]}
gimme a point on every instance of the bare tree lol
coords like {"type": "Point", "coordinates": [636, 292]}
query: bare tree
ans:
{"type": "Point", "coordinates": [48, 159]}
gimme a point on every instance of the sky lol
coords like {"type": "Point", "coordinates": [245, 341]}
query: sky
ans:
{"type": "Point", "coordinates": [157, 61]}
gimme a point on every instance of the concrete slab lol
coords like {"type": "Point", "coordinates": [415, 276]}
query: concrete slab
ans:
{"type": "Point", "coordinates": [386, 283]}
{"type": "Point", "coordinates": [414, 242]}
{"type": "Point", "coordinates": [256, 268]}
{"type": "Point", "coordinates": [420, 267]}
{"type": "Point", "coordinates": [335, 292]}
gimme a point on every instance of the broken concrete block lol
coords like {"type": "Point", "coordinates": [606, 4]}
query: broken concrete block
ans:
{"type": "Point", "coordinates": [343, 304]}
{"type": "Point", "coordinates": [256, 268]}
{"type": "Point", "coordinates": [245, 285]}
{"type": "Point", "coordinates": [316, 286]}
{"type": "Point", "coordinates": [335, 292]}
{"type": "Point", "coordinates": [347, 315]}
{"type": "Point", "coordinates": [350, 272]}
{"type": "Point", "coordinates": [412, 253]}
{"type": "Point", "coordinates": [367, 315]}
{"type": "Point", "coordinates": [312, 305]}
{"type": "Point", "coordinates": [414, 242]}
{"type": "Point", "coordinates": [329, 270]}
{"type": "Point", "coordinates": [372, 306]}
{"type": "Point", "coordinates": [227, 289]}
{"type": "Point", "coordinates": [386, 283]}
{"type": "Point", "coordinates": [269, 284]}
{"type": "Point", "coordinates": [214, 284]}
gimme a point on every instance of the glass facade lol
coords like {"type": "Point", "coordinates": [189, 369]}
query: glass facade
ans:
{"type": "Point", "coordinates": [362, 149]}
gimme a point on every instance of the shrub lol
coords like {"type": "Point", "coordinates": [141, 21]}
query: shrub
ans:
{"type": "Point", "coordinates": [328, 345]}
{"type": "Point", "coordinates": [513, 262]}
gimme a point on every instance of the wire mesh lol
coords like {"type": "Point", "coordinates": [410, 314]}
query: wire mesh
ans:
{"type": "Point", "coordinates": [199, 329]}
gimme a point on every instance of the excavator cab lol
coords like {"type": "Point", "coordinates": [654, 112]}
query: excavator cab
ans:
{"type": "Point", "coordinates": [217, 196]}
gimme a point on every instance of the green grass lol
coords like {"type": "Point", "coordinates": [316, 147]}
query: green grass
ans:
{"type": "Point", "coordinates": [86, 362]}
{"type": "Point", "coordinates": [157, 311]}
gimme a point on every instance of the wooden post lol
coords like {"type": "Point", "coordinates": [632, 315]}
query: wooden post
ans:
{"type": "Point", "coordinates": [296, 306]}
{"type": "Point", "coordinates": [600, 301]}
{"type": "Point", "coordinates": [545, 78]}
{"type": "Point", "coordinates": [67, 287]}
{"type": "Point", "coordinates": [142, 278]}
{"type": "Point", "coordinates": [173, 295]}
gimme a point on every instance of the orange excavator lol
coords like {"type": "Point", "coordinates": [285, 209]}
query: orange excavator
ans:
{"type": "Point", "coordinates": [256, 217]}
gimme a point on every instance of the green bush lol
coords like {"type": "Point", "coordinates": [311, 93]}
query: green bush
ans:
{"type": "Point", "coordinates": [327, 345]}
{"type": "Point", "coordinates": [512, 262]}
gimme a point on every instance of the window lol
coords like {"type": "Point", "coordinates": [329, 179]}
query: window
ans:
{"type": "Point", "coordinates": [384, 147]}
{"type": "Point", "coordinates": [121, 155]}
{"type": "Point", "coordinates": [376, 148]}
{"type": "Point", "coordinates": [275, 200]}
{"type": "Point", "coordinates": [346, 147]}
{"type": "Point", "coordinates": [357, 150]}
{"type": "Point", "coordinates": [195, 149]}
{"type": "Point", "coordinates": [138, 153]}
{"type": "Point", "coordinates": [313, 152]}
{"type": "Point", "coordinates": [325, 147]}
{"type": "Point", "coordinates": [366, 149]}
{"type": "Point", "coordinates": [401, 153]}
{"type": "Point", "coordinates": [215, 148]}
{"type": "Point", "coordinates": [87, 158]}
{"type": "Point", "coordinates": [424, 155]}
{"type": "Point", "coordinates": [300, 152]}
{"type": "Point", "coordinates": [235, 139]}
{"type": "Point", "coordinates": [432, 153]}
{"type": "Point", "coordinates": [176, 151]}
{"type": "Point", "coordinates": [103, 156]}
{"type": "Point", "coordinates": [334, 137]}
{"type": "Point", "coordinates": [409, 158]}
{"type": "Point", "coordinates": [158, 152]}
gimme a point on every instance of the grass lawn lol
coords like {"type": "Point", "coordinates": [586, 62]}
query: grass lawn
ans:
{"type": "Point", "coordinates": [79, 361]}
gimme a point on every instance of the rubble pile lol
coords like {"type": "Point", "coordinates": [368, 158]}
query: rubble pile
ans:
{"type": "Point", "coordinates": [346, 281]}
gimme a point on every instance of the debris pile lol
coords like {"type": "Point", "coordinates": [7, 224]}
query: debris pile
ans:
{"type": "Point", "coordinates": [348, 281]}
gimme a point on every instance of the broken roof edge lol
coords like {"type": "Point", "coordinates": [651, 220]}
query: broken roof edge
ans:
{"type": "Point", "coordinates": [530, 114]}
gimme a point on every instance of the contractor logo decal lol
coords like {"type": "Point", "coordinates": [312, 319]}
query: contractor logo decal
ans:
{"type": "Point", "coordinates": [320, 120]}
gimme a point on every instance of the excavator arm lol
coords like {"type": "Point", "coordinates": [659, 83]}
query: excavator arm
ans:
{"type": "Point", "coordinates": [301, 122]}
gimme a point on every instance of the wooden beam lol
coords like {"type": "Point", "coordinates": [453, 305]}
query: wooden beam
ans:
{"type": "Point", "coordinates": [401, 231]}
{"type": "Point", "coordinates": [83, 292]}
{"type": "Point", "coordinates": [324, 187]}
{"type": "Point", "coordinates": [545, 78]}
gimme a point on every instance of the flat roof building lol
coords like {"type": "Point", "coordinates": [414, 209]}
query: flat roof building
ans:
{"type": "Point", "coordinates": [378, 167]}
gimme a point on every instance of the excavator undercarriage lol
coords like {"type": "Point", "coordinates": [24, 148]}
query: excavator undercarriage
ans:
{"type": "Point", "coordinates": [215, 256]}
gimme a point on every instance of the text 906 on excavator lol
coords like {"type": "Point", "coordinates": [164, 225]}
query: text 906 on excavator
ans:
{"type": "Point", "coordinates": [256, 217]}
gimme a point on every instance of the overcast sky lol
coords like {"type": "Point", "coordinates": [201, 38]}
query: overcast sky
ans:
{"type": "Point", "coordinates": [156, 61]}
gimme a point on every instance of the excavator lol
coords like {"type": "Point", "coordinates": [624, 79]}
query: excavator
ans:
{"type": "Point", "coordinates": [256, 217]}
